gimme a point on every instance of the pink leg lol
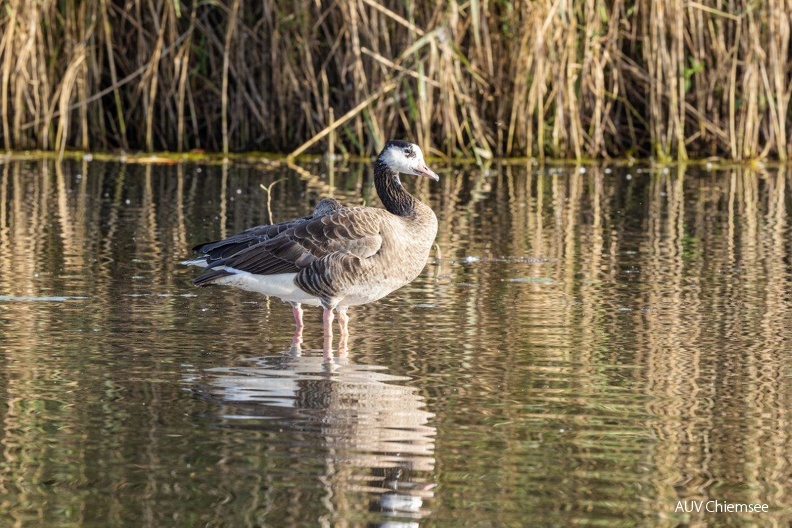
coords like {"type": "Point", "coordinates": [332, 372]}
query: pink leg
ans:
{"type": "Point", "coordinates": [327, 321]}
{"type": "Point", "coordinates": [343, 325]}
{"type": "Point", "coordinates": [297, 312]}
{"type": "Point", "coordinates": [298, 336]}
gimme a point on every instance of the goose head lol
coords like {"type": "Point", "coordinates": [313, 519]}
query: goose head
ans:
{"type": "Point", "coordinates": [406, 158]}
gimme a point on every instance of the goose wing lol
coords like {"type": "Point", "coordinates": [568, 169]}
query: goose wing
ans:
{"type": "Point", "coordinates": [349, 233]}
{"type": "Point", "coordinates": [220, 249]}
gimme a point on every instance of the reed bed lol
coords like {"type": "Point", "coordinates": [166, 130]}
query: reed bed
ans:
{"type": "Point", "coordinates": [589, 79]}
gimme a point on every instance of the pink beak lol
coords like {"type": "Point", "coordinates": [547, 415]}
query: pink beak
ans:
{"type": "Point", "coordinates": [423, 170]}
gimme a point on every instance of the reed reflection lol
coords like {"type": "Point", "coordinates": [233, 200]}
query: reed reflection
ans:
{"type": "Point", "coordinates": [621, 331]}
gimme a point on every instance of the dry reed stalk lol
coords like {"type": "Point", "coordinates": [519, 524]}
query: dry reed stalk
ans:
{"type": "Point", "coordinates": [181, 66]}
{"type": "Point", "coordinates": [224, 98]}
{"type": "Point", "coordinates": [596, 78]}
{"type": "Point", "coordinates": [6, 47]}
{"type": "Point", "coordinates": [343, 119]}
{"type": "Point", "coordinates": [65, 93]}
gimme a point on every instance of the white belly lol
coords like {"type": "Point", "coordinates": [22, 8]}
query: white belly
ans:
{"type": "Point", "coordinates": [281, 285]}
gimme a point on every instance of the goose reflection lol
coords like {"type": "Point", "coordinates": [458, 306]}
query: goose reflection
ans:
{"type": "Point", "coordinates": [374, 430]}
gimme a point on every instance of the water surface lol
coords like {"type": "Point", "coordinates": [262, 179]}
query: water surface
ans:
{"type": "Point", "coordinates": [586, 346]}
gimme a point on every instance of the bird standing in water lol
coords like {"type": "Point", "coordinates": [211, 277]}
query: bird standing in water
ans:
{"type": "Point", "coordinates": [339, 256]}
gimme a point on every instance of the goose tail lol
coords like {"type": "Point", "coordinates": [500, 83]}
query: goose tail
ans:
{"type": "Point", "coordinates": [199, 261]}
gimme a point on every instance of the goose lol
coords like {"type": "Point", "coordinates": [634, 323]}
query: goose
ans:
{"type": "Point", "coordinates": [339, 256]}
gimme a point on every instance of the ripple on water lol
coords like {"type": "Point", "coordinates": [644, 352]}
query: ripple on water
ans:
{"type": "Point", "coordinates": [44, 298]}
{"type": "Point", "coordinates": [584, 349]}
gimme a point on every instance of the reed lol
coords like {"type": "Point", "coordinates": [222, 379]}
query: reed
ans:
{"type": "Point", "coordinates": [671, 79]}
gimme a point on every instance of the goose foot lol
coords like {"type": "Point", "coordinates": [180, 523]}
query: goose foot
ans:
{"type": "Point", "coordinates": [327, 352]}
{"type": "Point", "coordinates": [298, 337]}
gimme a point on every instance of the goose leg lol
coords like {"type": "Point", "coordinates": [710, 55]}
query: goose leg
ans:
{"type": "Point", "coordinates": [297, 311]}
{"type": "Point", "coordinates": [327, 321]}
{"type": "Point", "coordinates": [343, 325]}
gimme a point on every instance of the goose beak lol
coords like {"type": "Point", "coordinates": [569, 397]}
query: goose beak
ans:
{"type": "Point", "coordinates": [423, 170]}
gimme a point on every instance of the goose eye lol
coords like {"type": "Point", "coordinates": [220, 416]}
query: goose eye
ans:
{"type": "Point", "coordinates": [409, 153]}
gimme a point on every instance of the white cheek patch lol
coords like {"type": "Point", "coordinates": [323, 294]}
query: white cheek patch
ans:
{"type": "Point", "coordinates": [395, 158]}
{"type": "Point", "coordinates": [390, 157]}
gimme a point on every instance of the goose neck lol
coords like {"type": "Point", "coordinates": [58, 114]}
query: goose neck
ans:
{"type": "Point", "coordinates": [392, 193]}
